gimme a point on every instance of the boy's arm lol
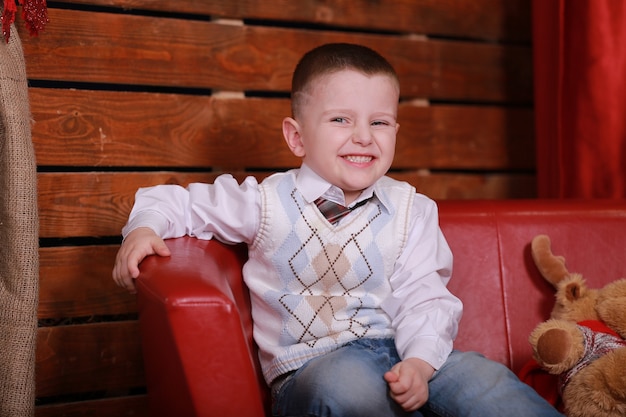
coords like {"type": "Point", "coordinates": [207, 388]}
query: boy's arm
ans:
{"type": "Point", "coordinates": [158, 212]}
{"type": "Point", "coordinates": [424, 313]}
{"type": "Point", "coordinates": [225, 209]}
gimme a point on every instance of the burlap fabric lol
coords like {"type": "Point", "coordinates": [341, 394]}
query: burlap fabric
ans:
{"type": "Point", "coordinates": [19, 228]}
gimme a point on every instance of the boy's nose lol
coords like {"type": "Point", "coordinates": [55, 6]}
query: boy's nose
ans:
{"type": "Point", "coordinates": [362, 134]}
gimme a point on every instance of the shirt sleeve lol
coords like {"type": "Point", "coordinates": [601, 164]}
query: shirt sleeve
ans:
{"type": "Point", "coordinates": [225, 210]}
{"type": "Point", "coordinates": [425, 315]}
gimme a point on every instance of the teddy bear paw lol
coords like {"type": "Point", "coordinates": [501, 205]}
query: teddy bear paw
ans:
{"type": "Point", "coordinates": [557, 345]}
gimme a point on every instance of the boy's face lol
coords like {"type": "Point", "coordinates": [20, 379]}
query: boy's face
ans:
{"type": "Point", "coordinates": [346, 131]}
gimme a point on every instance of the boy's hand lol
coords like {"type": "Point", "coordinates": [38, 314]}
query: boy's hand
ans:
{"type": "Point", "coordinates": [408, 383]}
{"type": "Point", "coordinates": [139, 243]}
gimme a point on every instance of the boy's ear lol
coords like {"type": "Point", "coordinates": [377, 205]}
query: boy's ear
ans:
{"type": "Point", "coordinates": [291, 132]}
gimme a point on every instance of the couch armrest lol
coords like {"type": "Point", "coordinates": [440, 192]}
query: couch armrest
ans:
{"type": "Point", "coordinates": [196, 329]}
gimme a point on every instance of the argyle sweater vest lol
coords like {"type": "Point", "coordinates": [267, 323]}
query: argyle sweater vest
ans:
{"type": "Point", "coordinates": [315, 287]}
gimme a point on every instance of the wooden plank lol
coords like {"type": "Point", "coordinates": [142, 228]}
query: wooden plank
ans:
{"type": "Point", "coordinates": [135, 406]}
{"type": "Point", "coordinates": [88, 358]}
{"type": "Point", "coordinates": [75, 281]}
{"type": "Point", "coordinates": [103, 128]}
{"type": "Point", "coordinates": [127, 49]}
{"type": "Point", "coordinates": [466, 187]}
{"type": "Point", "coordinates": [95, 203]}
{"type": "Point", "coordinates": [465, 138]}
{"type": "Point", "coordinates": [484, 19]}
{"type": "Point", "coordinates": [98, 204]}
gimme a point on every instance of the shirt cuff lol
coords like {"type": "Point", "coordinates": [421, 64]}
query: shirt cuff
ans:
{"type": "Point", "coordinates": [435, 353]}
{"type": "Point", "coordinates": [148, 218]}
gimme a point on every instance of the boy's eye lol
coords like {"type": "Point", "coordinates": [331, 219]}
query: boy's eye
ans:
{"type": "Point", "coordinates": [383, 123]}
{"type": "Point", "coordinates": [339, 119]}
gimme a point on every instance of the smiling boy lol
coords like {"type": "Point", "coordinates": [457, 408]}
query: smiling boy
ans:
{"type": "Point", "coordinates": [351, 315]}
{"type": "Point", "coordinates": [348, 141]}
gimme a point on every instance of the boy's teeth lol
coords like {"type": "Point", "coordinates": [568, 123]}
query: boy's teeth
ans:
{"type": "Point", "coordinates": [359, 159]}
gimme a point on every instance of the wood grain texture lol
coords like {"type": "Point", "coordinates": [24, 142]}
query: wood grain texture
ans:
{"type": "Point", "coordinates": [479, 19]}
{"type": "Point", "coordinates": [471, 187]}
{"type": "Point", "coordinates": [478, 138]}
{"type": "Point", "coordinates": [89, 204]}
{"type": "Point", "coordinates": [104, 129]}
{"type": "Point", "coordinates": [98, 203]}
{"type": "Point", "coordinates": [143, 50]}
{"type": "Point", "coordinates": [87, 358]}
{"type": "Point", "coordinates": [75, 281]}
{"type": "Point", "coordinates": [135, 406]}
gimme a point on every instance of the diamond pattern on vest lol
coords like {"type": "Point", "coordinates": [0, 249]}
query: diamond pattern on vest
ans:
{"type": "Point", "coordinates": [323, 300]}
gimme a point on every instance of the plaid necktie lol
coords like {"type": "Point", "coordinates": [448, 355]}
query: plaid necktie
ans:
{"type": "Point", "coordinates": [333, 211]}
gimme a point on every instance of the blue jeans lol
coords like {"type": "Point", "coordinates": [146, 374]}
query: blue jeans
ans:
{"type": "Point", "coordinates": [349, 383]}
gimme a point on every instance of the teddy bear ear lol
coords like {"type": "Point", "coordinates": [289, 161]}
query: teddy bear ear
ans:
{"type": "Point", "coordinates": [573, 291]}
{"type": "Point", "coordinates": [551, 267]}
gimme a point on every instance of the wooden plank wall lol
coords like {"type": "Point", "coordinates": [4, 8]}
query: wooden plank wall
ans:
{"type": "Point", "coordinates": [130, 93]}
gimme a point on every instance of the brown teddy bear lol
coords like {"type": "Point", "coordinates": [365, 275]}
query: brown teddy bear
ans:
{"type": "Point", "coordinates": [583, 341]}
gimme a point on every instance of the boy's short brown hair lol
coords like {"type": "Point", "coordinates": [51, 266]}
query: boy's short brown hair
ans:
{"type": "Point", "coordinates": [333, 57]}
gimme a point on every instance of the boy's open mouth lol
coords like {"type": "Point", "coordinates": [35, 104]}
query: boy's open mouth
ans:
{"type": "Point", "coordinates": [358, 159]}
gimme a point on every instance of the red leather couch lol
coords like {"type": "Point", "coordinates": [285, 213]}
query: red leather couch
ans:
{"type": "Point", "coordinates": [194, 313]}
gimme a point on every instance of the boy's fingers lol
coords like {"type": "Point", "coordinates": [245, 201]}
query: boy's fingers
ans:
{"type": "Point", "coordinates": [391, 376]}
{"type": "Point", "coordinates": [161, 249]}
{"type": "Point", "coordinates": [133, 268]}
{"type": "Point", "coordinates": [126, 268]}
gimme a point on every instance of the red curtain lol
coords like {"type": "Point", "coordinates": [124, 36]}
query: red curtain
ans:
{"type": "Point", "coordinates": [580, 97]}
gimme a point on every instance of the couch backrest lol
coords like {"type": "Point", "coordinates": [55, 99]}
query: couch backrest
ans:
{"type": "Point", "coordinates": [494, 275]}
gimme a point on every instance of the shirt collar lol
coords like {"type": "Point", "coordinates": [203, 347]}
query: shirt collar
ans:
{"type": "Point", "coordinates": [312, 186]}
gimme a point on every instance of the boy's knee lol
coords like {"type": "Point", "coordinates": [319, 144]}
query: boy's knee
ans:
{"type": "Point", "coordinates": [485, 373]}
{"type": "Point", "coordinates": [470, 362]}
{"type": "Point", "coordinates": [348, 388]}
